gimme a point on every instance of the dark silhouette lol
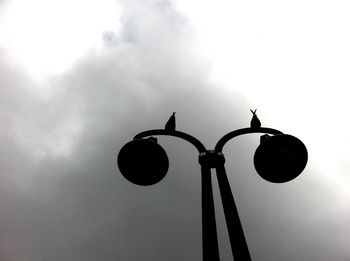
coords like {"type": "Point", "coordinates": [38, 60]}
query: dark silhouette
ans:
{"type": "Point", "coordinates": [255, 122]}
{"type": "Point", "coordinates": [279, 158]}
{"type": "Point", "coordinates": [171, 123]}
{"type": "Point", "coordinates": [143, 162]}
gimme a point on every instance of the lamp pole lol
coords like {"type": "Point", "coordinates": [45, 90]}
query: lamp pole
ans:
{"type": "Point", "coordinates": [214, 159]}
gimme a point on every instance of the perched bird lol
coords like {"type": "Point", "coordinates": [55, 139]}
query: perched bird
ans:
{"type": "Point", "coordinates": [255, 122]}
{"type": "Point", "coordinates": [170, 125]}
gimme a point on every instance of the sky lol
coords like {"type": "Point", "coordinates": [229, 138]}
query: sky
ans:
{"type": "Point", "coordinates": [79, 79]}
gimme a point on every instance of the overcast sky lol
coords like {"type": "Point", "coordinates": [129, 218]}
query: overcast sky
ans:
{"type": "Point", "coordinates": [79, 79]}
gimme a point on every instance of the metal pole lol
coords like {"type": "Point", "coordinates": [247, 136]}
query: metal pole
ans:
{"type": "Point", "coordinates": [210, 240]}
{"type": "Point", "coordinates": [214, 159]}
{"type": "Point", "coordinates": [239, 246]}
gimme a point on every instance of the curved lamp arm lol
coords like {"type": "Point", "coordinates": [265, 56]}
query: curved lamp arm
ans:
{"type": "Point", "coordinates": [195, 142]}
{"type": "Point", "coordinates": [221, 143]}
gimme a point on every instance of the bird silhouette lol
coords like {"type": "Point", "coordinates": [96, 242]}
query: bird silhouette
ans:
{"type": "Point", "coordinates": [255, 122]}
{"type": "Point", "coordinates": [170, 125]}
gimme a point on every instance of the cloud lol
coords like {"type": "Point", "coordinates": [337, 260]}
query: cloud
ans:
{"type": "Point", "coordinates": [63, 197]}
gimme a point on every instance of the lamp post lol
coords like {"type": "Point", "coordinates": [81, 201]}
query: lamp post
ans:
{"type": "Point", "coordinates": [279, 158]}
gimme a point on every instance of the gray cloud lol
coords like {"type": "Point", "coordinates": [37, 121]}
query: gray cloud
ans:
{"type": "Point", "coordinates": [63, 197]}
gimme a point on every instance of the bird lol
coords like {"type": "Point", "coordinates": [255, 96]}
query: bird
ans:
{"type": "Point", "coordinates": [255, 122]}
{"type": "Point", "coordinates": [170, 124]}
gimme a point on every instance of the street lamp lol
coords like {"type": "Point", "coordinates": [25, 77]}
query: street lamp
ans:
{"type": "Point", "coordinates": [279, 158]}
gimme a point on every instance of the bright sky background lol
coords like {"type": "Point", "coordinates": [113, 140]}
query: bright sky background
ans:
{"type": "Point", "coordinates": [78, 79]}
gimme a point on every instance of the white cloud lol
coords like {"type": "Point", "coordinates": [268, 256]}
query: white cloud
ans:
{"type": "Point", "coordinates": [49, 36]}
